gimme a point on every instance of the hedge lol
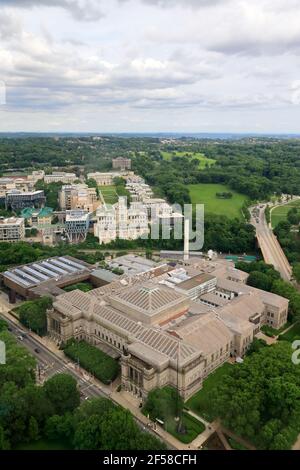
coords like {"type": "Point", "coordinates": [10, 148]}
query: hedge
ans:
{"type": "Point", "coordinates": [102, 366]}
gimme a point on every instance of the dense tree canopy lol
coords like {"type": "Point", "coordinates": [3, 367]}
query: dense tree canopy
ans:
{"type": "Point", "coordinates": [62, 392]}
{"type": "Point", "coordinates": [53, 411]}
{"type": "Point", "coordinates": [260, 399]}
{"type": "Point", "coordinates": [33, 314]}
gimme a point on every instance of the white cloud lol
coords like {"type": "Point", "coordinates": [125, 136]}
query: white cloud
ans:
{"type": "Point", "coordinates": [150, 59]}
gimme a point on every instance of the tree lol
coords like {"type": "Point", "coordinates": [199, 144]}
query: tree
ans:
{"type": "Point", "coordinates": [60, 427]}
{"type": "Point", "coordinates": [163, 404]}
{"type": "Point", "coordinates": [61, 390]}
{"type": "Point", "coordinates": [4, 444]}
{"type": "Point", "coordinates": [33, 314]}
{"type": "Point", "coordinates": [3, 325]}
{"type": "Point", "coordinates": [20, 365]}
{"type": "Point", "coordinates": [296, 271]}
{"type": "Point", "coordinates": [98, 424]}
{"type": "Point", "coordinates": [260, 280]}
{"type": "Point", "coordinates": [293, 216]}
{"type": "Point", "coordinates": [119, 431]}
{"type": "Point", "coordinates": [261, 397]}
{"type": "Point", "coordinates": [33, 429]}
{"type": "Point", "coordinates": [92, 183]}
{"type": "Point", "coordinates": [88, 434]}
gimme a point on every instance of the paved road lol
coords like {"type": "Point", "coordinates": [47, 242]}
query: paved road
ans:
{"type": "Point", "coordinates": [269, 245]}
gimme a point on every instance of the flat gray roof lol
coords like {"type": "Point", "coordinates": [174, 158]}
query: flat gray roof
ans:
{"type": "Point", "coordinates": [43, 271]}
{"type": "Point", "coordinates": [195, 281]}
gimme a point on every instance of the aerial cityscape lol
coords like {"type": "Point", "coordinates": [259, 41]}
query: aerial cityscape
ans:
{"type": "Point", "coordinates": [149, 230]}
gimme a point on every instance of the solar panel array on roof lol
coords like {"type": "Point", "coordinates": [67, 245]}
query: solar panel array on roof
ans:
{"type": "Point", "coordinates": [35, 273]}
{"type": "Point", "coordinates": [54, 268]}
{"type": "Point", "coordinates": [17, 279]}
{"type": "Point", "coordinates": [22, 274]}
{"type": "Point", "coordinates": [41, 268]}
{"type": "Point", "coordinates": [43, 271]}
{"type": "Point", "coordinates": [63, 265]}
{"type": "Point", "coordinates": [72, 263]}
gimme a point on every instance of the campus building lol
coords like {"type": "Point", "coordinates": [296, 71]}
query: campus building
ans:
{"type": "Point", "coordinates": [119, 221]}
{"type": "Point", "coordinates": [12, 229]}
{"type": "Point", "coordinates": [78, 196]}
{"type": "Point", "coordinates": [103, 179]}
{"type": "Point", "coordinates": [16, 199]}
{"type": "Point", "coordinates": [121, 163]}
{"type": "Point", "coordinates": [139, 191]}
{"type": "Point", "coordinates": [171, 324]}
{"type": "Point", "coordinates": [38, 217]}
{"type": "Point", "coordinates": [77, 225]}
{"type": "Point", "coordinates": [46, 277]}
{"type": "Point", "coordinates": [20, 184]}
{"type": "Point", "coordinates": [36, 176]}
{"type": "Point", "coordinates": [60, 177]}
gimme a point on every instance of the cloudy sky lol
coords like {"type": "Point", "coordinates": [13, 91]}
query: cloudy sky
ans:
{"type": "Point", "coordinates": [150, 65]}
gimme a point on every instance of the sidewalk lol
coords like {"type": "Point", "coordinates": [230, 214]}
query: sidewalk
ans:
{"type": "Point", "coordinates": [126, 402]}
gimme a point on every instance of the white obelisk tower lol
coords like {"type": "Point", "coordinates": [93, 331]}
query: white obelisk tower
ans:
{"type": "Point", "coordinates": [186, 239]}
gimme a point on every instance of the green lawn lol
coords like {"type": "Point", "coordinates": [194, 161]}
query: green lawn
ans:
{"type": "Point", "coordinates": [203, 160]}
{"type": "Point", "coordinates": [43, 444]}
{"type": "Point", "coordinates": [201, 403]}
{"type": "Point", "coordinates": [109, 194]}
{"type": "Point", "coordinates": [292, 334]}
{"type": "Point", "coordinates": [269, 331]}
{"type": "Point", "coordinates": [206, 194]}
{"type": "Point", "coordinates": [192, 426]}
{"type": "Point", "coordinates": [280, 213]}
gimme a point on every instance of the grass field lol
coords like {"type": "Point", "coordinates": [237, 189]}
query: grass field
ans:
{"type": "Point", "coordinates": [109, 194]}
{"type": "Point", "coordinates": [292, 334]}
{"type": "Point", "coordinates": [280, 213]}
{"type": "Point", "coordinates": [202, 403]}
{"type": "Point", "coordinates": [203, 160]}
{"type": "Point", "coordinates": [192, 426]}
{"type": "Point", "coordinates": [206, 194]}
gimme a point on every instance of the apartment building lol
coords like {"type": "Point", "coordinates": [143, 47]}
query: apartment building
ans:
{"type": "Point", "coordinates": [12, 229]}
